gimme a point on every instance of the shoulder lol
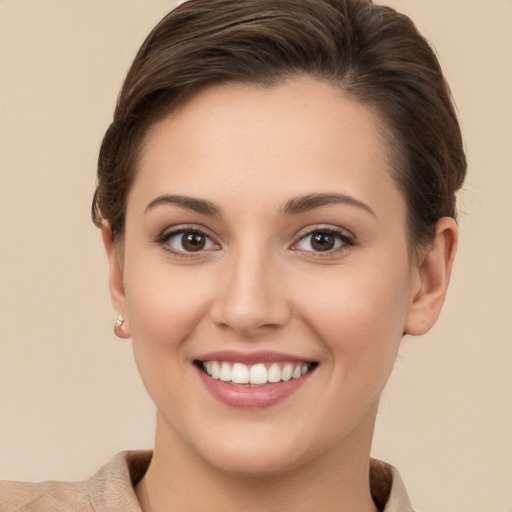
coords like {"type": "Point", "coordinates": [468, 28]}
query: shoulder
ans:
{"type": "Point", "coordinates": [111, 488]}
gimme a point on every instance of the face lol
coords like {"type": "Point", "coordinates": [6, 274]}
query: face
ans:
{"type": "Point", "coordinates": [265, 276]}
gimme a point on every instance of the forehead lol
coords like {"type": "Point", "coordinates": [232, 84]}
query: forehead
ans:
{"type": "Point", "coordinates": [235, 141]}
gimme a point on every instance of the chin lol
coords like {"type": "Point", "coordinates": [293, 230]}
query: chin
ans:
{"type": "Point", "coordinates": [255, 462]}
{"type": "Point", "coordinates": [253, 452]}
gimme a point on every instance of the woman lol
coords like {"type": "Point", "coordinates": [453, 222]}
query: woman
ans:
{"type": "Point", "coordinates": [276, 199]}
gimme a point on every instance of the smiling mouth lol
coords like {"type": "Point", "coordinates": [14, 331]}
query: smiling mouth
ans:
{"type": "Point", "coordinates": [259, 374]}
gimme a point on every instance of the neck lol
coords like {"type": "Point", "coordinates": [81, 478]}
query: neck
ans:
{"type": "Point", "coordinates": [179, 479]}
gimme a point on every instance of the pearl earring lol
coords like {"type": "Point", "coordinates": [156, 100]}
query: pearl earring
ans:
{"type": "Point", "coordinates": [117, 327]}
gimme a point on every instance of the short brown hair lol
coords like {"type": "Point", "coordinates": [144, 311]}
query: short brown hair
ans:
{"type": "Point", "coordinates": [372, 52]}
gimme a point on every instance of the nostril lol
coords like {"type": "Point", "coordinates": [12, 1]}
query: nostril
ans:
{"type": "Point", "coordinates": [250, 322]}
{"type": "Point", "coordinates": [251, 301]}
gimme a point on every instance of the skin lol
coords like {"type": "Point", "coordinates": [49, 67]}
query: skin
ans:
{"type": "Point", "coordinates": [259, 284]}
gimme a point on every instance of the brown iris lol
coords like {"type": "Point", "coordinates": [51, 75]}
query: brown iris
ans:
{"type": "Point", "coordinates": [323, 241]}
{"type": "Point", "coordinates": [193, 241]}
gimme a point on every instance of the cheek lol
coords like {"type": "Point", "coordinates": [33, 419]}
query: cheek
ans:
{"type": "Point", "coordinates": [164, 303]}
{"type": "Point", "coordinates": [165, 306]}
{"type": "Point", "coordinates": [359, 315]}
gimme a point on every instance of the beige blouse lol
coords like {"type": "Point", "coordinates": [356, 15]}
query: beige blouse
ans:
{"type": "Point", "coordinates": [111, 489]}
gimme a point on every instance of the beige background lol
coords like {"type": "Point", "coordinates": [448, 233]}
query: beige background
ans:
{"type": "Point", "coordinates": [69, 392]}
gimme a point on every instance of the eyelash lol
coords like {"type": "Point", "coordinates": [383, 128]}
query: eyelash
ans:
{"type": "Point", "coordinates": [345, 240]}
{"type": "Point", "coordinates": [163, 240]}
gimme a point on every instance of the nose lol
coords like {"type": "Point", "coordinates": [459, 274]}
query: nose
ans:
{"type": "Point", "coordinates": [251, 295]}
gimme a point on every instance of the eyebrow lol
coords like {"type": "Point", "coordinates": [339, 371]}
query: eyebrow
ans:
{"type": "Point", "coordinates": [311, 201]}
{"type": "Point", "coordinates": [294, 206]}
{"type": "Point", "coordinates": [190, 203]}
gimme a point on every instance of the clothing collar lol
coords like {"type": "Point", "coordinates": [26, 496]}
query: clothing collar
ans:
{"type": "Point", "coordinates": [113, 486]}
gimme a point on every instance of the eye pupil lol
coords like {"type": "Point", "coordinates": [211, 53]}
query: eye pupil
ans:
{"type": "Point", "coordinates": [193, 242]}
{"type": "Point", "coordinates": [322, 241]}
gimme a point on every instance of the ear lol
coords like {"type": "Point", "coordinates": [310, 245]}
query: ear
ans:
{"type": "Point", "coordinates": [433, 270]}
{"type": "Point", "coordinates": [116, 285]}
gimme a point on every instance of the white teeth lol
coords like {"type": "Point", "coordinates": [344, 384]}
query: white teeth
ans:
{"type": "Point", "coordinates": [287, 372]}
{"type": "Point", "coordinates": [274, 373]}
{"type": "Point", "coordinates": [258, 374]}
{"type": "Point", "coordinates": [215, 370]}
{"type": "Point", "coordinates": [225, 372]}
{"type": "Point", "coordinates": [239, 374]}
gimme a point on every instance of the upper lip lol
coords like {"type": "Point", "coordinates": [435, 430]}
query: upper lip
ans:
{"type": "Point", "coordinates": [248, 358]}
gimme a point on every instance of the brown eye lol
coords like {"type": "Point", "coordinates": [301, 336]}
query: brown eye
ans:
{"type": "Point", "coordinates": [192, 242]}
{"type": "Point", "coordinates": [323, 241]}
{"type": "Point", "coordinates": [188, 241]}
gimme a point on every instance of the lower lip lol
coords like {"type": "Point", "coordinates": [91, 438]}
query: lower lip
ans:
{"type": "Point", "coordinates": [257, 397]}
